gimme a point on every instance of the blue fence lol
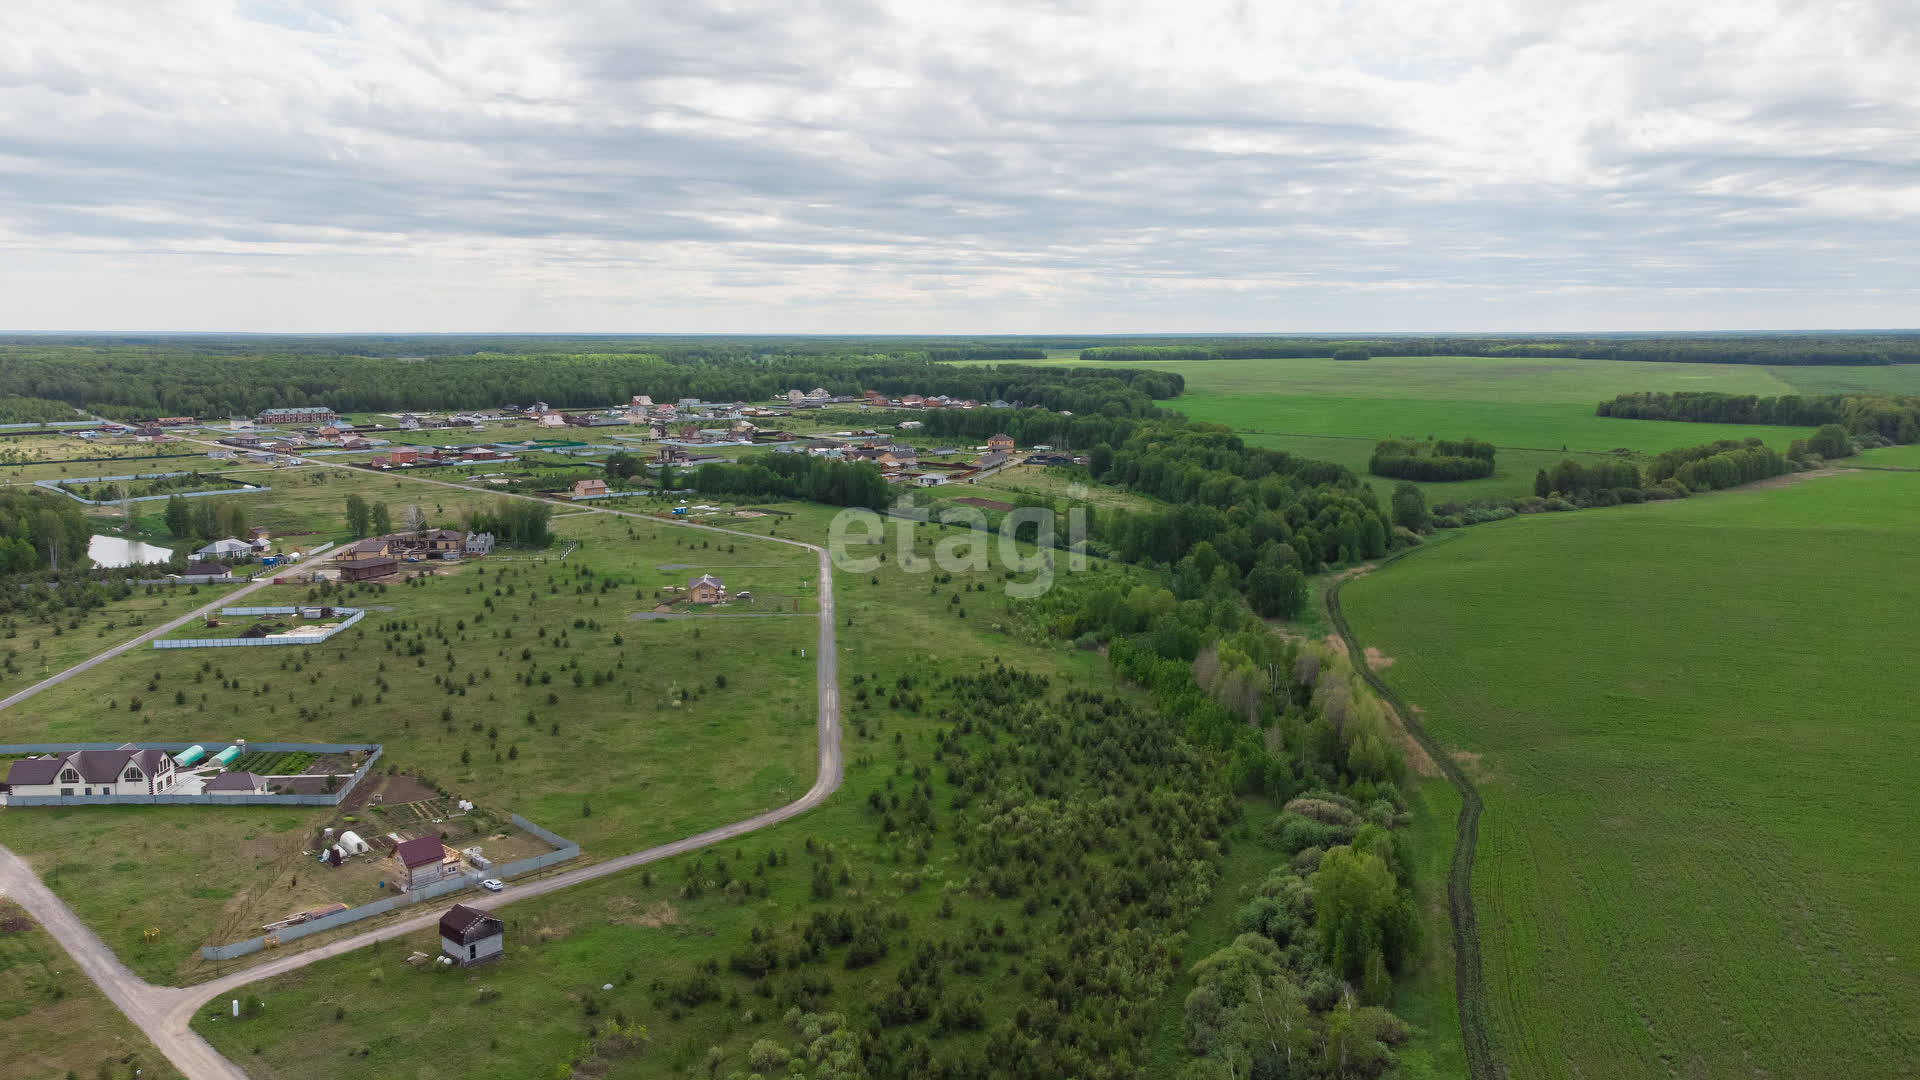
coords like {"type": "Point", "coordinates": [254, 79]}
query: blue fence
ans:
{"type": "Point", "coordinates": [566, 849]}
{"type": "Point", "coordinates": [331, 798]}
{"type": "Point", "coordinates": [237, 642]}
{"type": "Point", "coordinates": [60, 486]}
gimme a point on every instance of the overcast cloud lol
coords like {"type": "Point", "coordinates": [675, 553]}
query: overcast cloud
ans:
{"type": "Point", "coordinates": [816, 165]}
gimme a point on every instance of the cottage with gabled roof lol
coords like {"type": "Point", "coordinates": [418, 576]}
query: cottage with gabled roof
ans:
{"type": "Point", "coordinates": [471, 935]}
{"type": "Point", "coordinates": [420, 861]}
{"type": "Point", "coordinates": [706, 589]}
{"type": "Point", "coordinates": [237, 783]}
{"type": "Point", "coordinates": [1000, 442]}
{"type": "Point", "coordinates": [122, 771]}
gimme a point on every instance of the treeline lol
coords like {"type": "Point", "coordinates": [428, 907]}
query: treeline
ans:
{"type": "Point", "coordinates": [15, 409]}
{"type": "Point", "coordinates": [205, 519]}
{"type": "Point", "coordinates": [797, 476]}
{"type": "Point", "coordinates": [1783, 349]}
{"type": "Point", "coordinates": [1442, 460]}
{"type": "Point", "coordinates": [40, 530]}
{"type": "Point", "coordinates": [134, 382]}
{"type": "Point", "coordinates": [1892, 417]}
{"type": "Point", "coordinates": [1724, 464]}
{"type": "Point", "coordinates": [515, 521]}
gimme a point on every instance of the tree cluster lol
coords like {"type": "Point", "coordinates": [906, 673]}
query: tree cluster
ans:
{"type": "Point", "coordinates": [1441, 460]}
{"type": "Point", "coordinates": [797, 476]}
{"type": "Point", "coordinates": [39, 529]}
{"type": "Point", "coordinates": [1892, 417]}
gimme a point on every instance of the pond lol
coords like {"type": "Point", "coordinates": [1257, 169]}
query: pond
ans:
{"type": "Point", "coordinates": [111, 551]}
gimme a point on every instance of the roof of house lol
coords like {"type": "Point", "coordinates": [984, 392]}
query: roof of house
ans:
{"type": "Point", "coordinates": [466, 923]}
{"type": "Point", "coordinates": [209, 569]}
{"type": "Point", "coordinates": [419, 851]}
{"type": "Point", "coordinates": [236, 781]}
{"type": "Point", "coordinates": [446, 534]}
{"type": "Point", "coordinates": [372, 545]}
{"type": "Point", "coordinates": [94, 766]}
{"type": "Point", "coordinates": [705, 579]}
{"type": "Point", "coordinates": [34, 770]}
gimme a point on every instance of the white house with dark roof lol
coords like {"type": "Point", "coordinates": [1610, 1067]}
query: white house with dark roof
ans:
{"type": "Point", "coordinates": [122, 771]}
{"type": "Point", "coordinates": [471, 935]}
{"type": "Point", "coordinates": [420, 861]}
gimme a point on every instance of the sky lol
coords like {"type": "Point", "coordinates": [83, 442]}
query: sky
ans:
{"type": "Point", "coordinates": [816, 166]}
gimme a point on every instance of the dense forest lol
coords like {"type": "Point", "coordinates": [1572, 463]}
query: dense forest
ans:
{"type": "Point", "coordinates": [15, 409]}
{"type": "Point", "coordinates": [135, 383]}
{"type": "Point", "coordinates": [1892, 417]}
{"type": "Point", "coordinates": [1445, 459]}
{"type": "Point", "coordinates": [39, 529]}
{"type": "Point", "coordinates": [797, 476]}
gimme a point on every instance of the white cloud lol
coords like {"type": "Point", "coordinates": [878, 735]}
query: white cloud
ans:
{"type": "Point", "coordinates": [822, 166]}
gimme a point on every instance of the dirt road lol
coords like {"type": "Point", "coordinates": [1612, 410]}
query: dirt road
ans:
{"type": "Point", "coordinates": [164, 628]}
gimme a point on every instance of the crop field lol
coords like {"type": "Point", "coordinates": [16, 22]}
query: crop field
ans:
{"type": "Point", "coordinates": [1535, 411]}
{"type": "Point", "coordinates": [550, 688]}
{"type": "Point", "coordinates": [1691, 725]}
{"type": "Point", "coordinates": [54, 1022]}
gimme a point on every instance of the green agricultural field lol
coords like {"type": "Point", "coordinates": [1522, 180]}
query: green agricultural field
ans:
{"type": "Point", "coordinates": [1690, 725]}
{"type": "Point", "coordinates": [1530, 408]}
{"type": "Point", "coordinates": [54, 1022]}
{"type": "Point", "coordinates": [565, 697]}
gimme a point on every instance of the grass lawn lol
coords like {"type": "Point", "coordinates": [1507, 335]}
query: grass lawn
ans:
{"type": "Point", "coordinates": [1689, 722]}
{"type": "Point", "coordinates": [639, 927]}
{"type": "Point", "coordinates": [31, 650]}
{"type": "Point", "coordinates": [567, 700]}
{"type": "Point", "coordinates": [53, 1021]}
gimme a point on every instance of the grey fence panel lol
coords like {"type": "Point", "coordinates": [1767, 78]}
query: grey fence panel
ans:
{"type": "Point", "coordinates": [61, 487]}
{"type": "Point", "coordinates": [340, 918]}
{"type": "Point", "coordinates": [535, 862]}
{"type": "Point", "coordinates": [551, 837]}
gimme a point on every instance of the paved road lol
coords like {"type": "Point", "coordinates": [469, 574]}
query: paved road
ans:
{"type": "Point", "coordinates": [164, 628]}
{"type": "Point", "coordinates": [165, 1014]}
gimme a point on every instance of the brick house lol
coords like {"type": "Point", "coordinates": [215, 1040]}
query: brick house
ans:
{"type": "Point", "coordinates": [1000, 442]}
{"type": "Point", "coordinates": [585, 488]}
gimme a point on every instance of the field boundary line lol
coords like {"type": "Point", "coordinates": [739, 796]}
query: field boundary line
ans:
{"type": "Point", "coordinates": [1468, 990]}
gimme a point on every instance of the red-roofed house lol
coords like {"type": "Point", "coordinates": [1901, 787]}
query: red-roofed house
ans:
{"type": "Point", "coordinates": [420, 861]}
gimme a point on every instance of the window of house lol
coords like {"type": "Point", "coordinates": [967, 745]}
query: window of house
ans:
{"type": "Point", "coordinates": [133, 776]}
{"type": "Point", "coordinates": [66, 791]}
{"type": "Point", "coordinates": [69, 776]}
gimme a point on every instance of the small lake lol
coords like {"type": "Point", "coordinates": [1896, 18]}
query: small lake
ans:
{"type": "Point", "coordinates": [111, 551]}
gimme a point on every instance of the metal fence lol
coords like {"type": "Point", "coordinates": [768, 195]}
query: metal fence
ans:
{"type": "Point", "coordinates": [61, 487]}
{"type": "Point", "coordinates": [331, 798]}
{"type": "Point", "coordinates": [240, 642]}
{"type": "Point", "coordinates": [567, 849]}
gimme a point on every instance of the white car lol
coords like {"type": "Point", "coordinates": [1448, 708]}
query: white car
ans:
{"type": "Point", "coordinates": [493, 884]}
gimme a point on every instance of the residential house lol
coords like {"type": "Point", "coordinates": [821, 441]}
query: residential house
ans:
{"type": "Point", "coordinates": [470, 935]}
{"type": "Point", "coordinates": [305, 414]}
{"type": "Point", "coordinates": [795, 397]}
{"type": "Point", "coordinates": [367, 568]}
{"type": "Point", "coordinates": [443, 541]}
{"type": "Point", "coordinates": [237, 783]}
{"type": "Point", "coordinates": [586, 488]}
{"type": "Point", "coordinates": [818, 393]}
{"type": "Point", "coordinates": [1002, 442]}
{"type": "Point", "coordinates": [226, 549]}
{"type": "Point", "coordinates": [706, 589]}
{"type": "Point", "coordinates": [478, 545]}
{"type": "Point", "coordinates": [404, 455]}
{"type": "Point", "coordinates": [913, 401]}
{"type": "Point", "coordinates": [911, 425]}
{"type": "Point", "coordinates": [641, 401]}
{"type": "Point", "coordinates": [409, 422]}
{"type": "Point", "coordinates": [124, 771]}
{"type": "Point", "coordinates": [874, 397]}
{"type": "Point", "coordinates": [218, 571]}
{"type": "Point", "coordinates": [929, 480]}
{"type": "Point", "coordinates": [552, 420]}
{"type": "Point", "coordinates": [373, 547]}
{"type": "Point", "coordinates": [418, 862]}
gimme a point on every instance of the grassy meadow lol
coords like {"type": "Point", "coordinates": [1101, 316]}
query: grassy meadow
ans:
{"type": "Point", "coordinates": [54, 1022]}
{"type": "Point", "coordinates": [638, 927]}
{"type": "Point", "coordinates": [1690, 725]}
{"type": "Point", "coordinates": [550, 688]}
